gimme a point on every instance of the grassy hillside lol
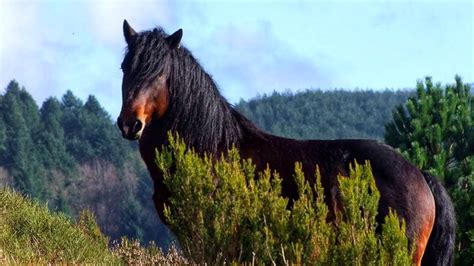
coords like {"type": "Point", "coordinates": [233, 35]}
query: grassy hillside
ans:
{"type": "Point", "coordinates": [31, 233]}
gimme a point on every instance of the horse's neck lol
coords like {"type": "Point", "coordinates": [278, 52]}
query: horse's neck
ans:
{"type": "Point", "coordinates": [198, 113]}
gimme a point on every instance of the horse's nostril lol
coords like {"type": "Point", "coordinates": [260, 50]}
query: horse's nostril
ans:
{"type": "Point", "coordinates": [137, 126]}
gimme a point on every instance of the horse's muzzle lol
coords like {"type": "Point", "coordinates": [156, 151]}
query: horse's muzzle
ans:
{"type": "Point", "coordinates": [130, 129]}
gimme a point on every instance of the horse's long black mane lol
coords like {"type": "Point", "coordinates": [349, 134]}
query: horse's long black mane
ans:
{"type": "Point", "coordinates": [197, 111]}
{"type": "Point", "coordinates": [201, 114]}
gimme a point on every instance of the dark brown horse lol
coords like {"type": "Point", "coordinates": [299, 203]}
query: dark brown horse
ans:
{"type": "Point", "coordinates": [164, 88]}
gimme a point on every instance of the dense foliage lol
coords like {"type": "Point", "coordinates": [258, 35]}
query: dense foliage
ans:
{"type": "Point", "coordinates": [316, 114]}
{"type": "Point", "coordinates": [221, 213]}
{"type": "Point", "coordinates": [435, 130]}
{"type": "Point", "coordinates": [71, 155]}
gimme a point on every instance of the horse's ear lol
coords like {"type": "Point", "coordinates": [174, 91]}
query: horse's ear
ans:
{"type": "Point", "coordinates": [128, 31]}
{"type": "Point", "coordinates": [174, 39]}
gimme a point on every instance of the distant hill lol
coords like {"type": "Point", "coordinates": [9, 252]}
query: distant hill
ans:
{"type": "Point", "coordinates": [317, 114]}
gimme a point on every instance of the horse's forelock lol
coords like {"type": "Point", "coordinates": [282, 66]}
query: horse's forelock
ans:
{"type": "Point", "coordinates": [144, 56]}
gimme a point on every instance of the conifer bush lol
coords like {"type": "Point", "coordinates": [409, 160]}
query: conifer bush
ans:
{"type": "Point", "coordinates": [220, 213]}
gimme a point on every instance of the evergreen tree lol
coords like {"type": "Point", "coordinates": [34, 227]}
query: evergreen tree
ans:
{"type": "Point", "coordinates": [435, 131]}
{"type": "Point", "coordinates": [93, 106]}
{"type": "Point", "coordinates": [20, 115]}
{"type": "Point", "coordinates": [75, 135]}
{"type": "Point", "coordinates": [89, 132]}
{"type": "Point", "coordinates": [101, 134]}
{"type": "Point", "coordinates": [3, 133]}
{"type": "Point", "coordinates": [51, 141]}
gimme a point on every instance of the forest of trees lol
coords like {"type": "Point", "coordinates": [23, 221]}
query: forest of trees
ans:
{"type": "Point", "coordinates": [316, 114]}
{"type": "Point", "coordinates": [70, 154]}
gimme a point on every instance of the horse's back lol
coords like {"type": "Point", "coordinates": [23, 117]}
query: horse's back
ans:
{"type": "Point", "coordinates": [401, 184]}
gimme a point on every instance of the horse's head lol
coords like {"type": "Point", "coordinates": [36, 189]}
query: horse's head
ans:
{"type": "Point", "coordinates": [146, 68]}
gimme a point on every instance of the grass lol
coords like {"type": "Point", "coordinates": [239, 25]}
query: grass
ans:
{"type": "Point", "coordinates": [31, 234]}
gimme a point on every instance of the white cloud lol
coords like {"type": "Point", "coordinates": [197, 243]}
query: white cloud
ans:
{"type": "Point", "coordinates": [19, 51]}
{"type": "Point", "coordinates": [247, 60]}
{"type": "Point", "coordinates": [106, 17]}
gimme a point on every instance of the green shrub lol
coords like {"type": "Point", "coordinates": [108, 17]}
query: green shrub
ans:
{"type": "Point", "coordinates": [220, 213]}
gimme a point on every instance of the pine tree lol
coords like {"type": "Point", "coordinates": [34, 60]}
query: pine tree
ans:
{"type": "Point", "coordinates": [20, 116]}
{"type": "Point", "coordinates": [3, 133]}
{"type": "Point", "coordinates": [434, 130]}
{"type": "Point", "coordinates": [72, 122]}
{"type": "Point", "coordinates": [100, 133]}
{"type": "Point", "coordinates": [51, 140]}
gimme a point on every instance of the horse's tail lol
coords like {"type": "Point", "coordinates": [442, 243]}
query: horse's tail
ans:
{"type": "Point", "coordinates": [440, 248]}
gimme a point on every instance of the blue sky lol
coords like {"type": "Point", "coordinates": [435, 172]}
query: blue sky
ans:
{"type": "Point", "coordinates": [249, 47]}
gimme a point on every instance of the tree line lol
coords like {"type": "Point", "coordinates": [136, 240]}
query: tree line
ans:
{"type": "Point", "coordinates": [317, 114]}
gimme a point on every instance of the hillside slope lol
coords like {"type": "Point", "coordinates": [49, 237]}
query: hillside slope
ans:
{"type": "Point", "coordinates": [30, 233]}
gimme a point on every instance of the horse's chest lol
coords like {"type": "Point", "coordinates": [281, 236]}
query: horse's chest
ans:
{"type": "Point", "coordinates": [148, 154]}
